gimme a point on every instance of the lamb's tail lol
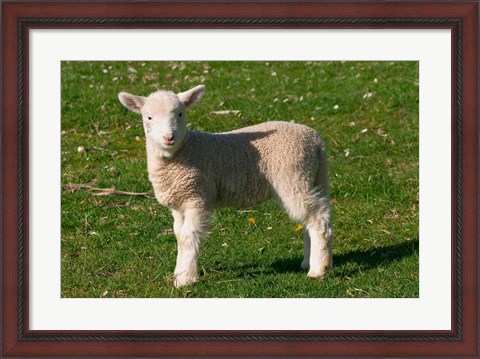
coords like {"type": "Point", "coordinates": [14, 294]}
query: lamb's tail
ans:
{"type": "Point", "coordinates": [321, 178]}
{"type": "Point", "coordinates": [319, 197]}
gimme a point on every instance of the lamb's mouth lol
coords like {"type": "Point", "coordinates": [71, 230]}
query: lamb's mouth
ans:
{"type": "Point", "coordinates": [168, 143]}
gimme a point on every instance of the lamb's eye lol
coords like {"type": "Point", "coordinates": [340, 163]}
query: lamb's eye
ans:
{"type": "Point", "coordinates": [179, 114]}
{"type": "Point", "coordinates": [149, 117]}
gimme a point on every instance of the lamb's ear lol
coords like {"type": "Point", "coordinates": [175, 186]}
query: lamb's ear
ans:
{"type": "Point", "coordinates": [191, 96]}
{"type": "Point", "coordinates": [132, 102]}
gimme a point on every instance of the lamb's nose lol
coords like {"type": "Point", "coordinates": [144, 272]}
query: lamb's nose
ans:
{"type": "Point", "coordinates": [168, 137]}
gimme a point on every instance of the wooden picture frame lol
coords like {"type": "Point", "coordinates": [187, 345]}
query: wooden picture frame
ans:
{"type": "Point", "coordinates": [460, 17]}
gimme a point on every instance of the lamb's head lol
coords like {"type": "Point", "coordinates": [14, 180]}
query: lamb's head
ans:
{"type": "Point", "coordinates": [164, 116]}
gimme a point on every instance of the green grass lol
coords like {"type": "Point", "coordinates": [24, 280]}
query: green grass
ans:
{"type": "Point", "coordinates": [123, 246]}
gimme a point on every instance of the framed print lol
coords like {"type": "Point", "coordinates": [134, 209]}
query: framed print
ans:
{"type": "Point", "coordinates": [93, 265]}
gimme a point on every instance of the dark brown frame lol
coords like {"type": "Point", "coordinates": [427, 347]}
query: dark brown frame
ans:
{"type": "Point", "coordinates": [461, 17]}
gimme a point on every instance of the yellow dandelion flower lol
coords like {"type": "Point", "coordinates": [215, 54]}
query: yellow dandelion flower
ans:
{"type": "Point", "coordinates": [298, 228]}
{"type": "Point", "coordinates": [251, 220]}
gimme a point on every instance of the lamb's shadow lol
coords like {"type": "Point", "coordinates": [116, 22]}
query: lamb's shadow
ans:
{"type": "Point", "coordinates": [345, 265]}
{"type": "Point", "coordinates": [357, 260]}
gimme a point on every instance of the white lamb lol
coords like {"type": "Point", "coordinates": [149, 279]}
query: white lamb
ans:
{"type": "Point", "coordinates": [193, 172]}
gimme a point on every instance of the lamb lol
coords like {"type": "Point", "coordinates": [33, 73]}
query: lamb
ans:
{"type": "Point", "coordinates": [194, 172]}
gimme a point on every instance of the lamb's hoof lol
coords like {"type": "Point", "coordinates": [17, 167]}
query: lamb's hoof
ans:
{"type": "Point", "coordinates": [305, 265]}
{"type": "Point", "coordinates": [181, 280]}
{"type": "Point", "coordinates": [318, 274]}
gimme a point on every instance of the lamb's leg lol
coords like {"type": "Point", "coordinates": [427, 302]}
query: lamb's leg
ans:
{"type": "Point", "coordinates": [321, 239]}
{"type": "Point", "coordinates": [191, 233]}
{"type": "Point", "coordinates": [306, 249]}
{"type": "Point", "coordinates": [178, 219]}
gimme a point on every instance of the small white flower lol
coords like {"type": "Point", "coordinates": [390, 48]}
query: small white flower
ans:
{"type": "Point", "coordinates": [335, 107]}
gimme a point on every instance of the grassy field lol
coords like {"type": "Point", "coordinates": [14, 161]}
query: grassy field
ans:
{"type": "Point", "coordinates": [122, 245]}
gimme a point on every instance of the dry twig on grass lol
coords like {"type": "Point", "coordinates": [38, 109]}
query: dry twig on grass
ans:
{"type": "Point", "coordinates": [96, 191]}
